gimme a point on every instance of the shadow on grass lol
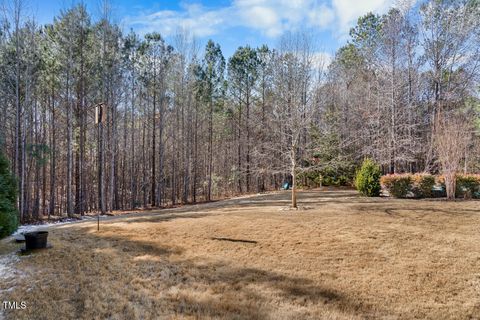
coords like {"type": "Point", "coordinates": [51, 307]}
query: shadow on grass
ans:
{"type": "Point", "coordinates": [119, 274]}
{"type": "Point", "coordinates": [157, 218]}
{"type": "Point", "coordinates": [204, 288]}
{"type": "Point", "coordinates": [114, 275]}
{"type": "Point", "coordinates": [234, 240]}
{"type": "Point", "coordinates": [279, 199]}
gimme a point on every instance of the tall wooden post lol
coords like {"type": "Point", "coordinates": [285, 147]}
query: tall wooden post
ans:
{"type": "Point", "coordinates": [100, 116]}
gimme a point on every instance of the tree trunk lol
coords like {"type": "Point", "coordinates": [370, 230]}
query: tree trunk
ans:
{"type": "Point", "coordinates": [450, 185]}
{"type": "Point", "coordinates": [210, 150]}
{"type": "Point", "coordinates": [133, 179]}
{"type": "Point", "coordinates": [101, 193]}
{"type": "Point", "coordinates": [154, 129]}
{"type": "Point", "coordinates": [294, 177]}
{"type": "Point", "coordinates": [53, 162]}
{"type": "Point", "coordinates": [69, 149]}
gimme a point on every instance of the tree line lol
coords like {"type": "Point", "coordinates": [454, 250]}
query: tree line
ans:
{"type": "Point", "coordinates": [182, 124]}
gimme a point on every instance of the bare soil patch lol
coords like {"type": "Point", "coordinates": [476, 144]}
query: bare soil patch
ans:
{"type": "Point", "coordinates": [346, 257]}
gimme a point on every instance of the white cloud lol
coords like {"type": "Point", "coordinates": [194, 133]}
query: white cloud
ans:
{"type": "Point", "coordinates": [262, 18]}
{"type": "Point", "coordinates": [322, 17]}
{"type": "Point", "coordinates": [270, 17]}
{"type": "Point", "coordinates": [348, 11]}
{"type": "Point", "coordinates": [192, 17]}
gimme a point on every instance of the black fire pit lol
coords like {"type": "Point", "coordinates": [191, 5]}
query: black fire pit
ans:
{"type": "Point", "coordinates": [36, 240]}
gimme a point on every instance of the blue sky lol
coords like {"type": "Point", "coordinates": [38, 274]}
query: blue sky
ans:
{"type": "Point", "coordinates": [231, 23]}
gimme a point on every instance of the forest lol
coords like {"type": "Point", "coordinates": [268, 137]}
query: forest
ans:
{"type": "Point", "coordinates": [96, 119]}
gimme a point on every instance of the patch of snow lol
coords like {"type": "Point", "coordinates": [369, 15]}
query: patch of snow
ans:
{"type": "Point", "coordinates": [6, 266]}
{"type": "Point", "coordinates": [8, 274]}
{"type": "Point", "coordinates": [26, 228]}
{"type": "Point", "coordinates": [37, 227]}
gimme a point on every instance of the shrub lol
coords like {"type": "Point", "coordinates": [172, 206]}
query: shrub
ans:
{"type": "Point", "coordinates": [8, 192]}
{"type": "Point", "coordinates": [341, 176]}
{"type": "Point", "coordinates": [423, 184]}
{"type": "Point", "coordinates": [467, 185]}
{"type": "Point", "coordinates": [440, 180]}
{"type": "Point", "coordinates": [367, 180]}
{"type": "Point", "coordinates": [340, 180]}
{"type": "Point", "coordinates": [441, 190]}
{"type": "Point", "coordinates": [427, 186]}
{"type": "Point", "coordinates": [398, 185]}
{"type": "Point", "coordinates": [327, 177]}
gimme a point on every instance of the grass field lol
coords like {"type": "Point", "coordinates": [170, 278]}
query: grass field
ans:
{"type": "Point", "coordinates": [340, 257]}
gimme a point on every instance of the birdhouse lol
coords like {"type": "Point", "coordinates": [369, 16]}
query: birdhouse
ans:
{"type": "Point", "coordinates": [100, 113]}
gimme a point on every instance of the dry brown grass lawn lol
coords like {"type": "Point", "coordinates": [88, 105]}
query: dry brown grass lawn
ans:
{"type": "Point", "coordinates": [343, 257]}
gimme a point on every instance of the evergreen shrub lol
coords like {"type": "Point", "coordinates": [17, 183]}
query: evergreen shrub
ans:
{"type": "Point", "coordinates": [367, 179]}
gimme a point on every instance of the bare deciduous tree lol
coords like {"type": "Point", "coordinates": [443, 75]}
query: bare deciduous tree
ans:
{"type": "Point", "coordinates": [292, 107]}
{"type": "Point", "coordinates": [453, 134]}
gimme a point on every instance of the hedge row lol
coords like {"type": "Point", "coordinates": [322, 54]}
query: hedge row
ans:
{"type": "Point", "coordinates": [467, 185]}
{"type": "Point", "coordinates": [428, 186]}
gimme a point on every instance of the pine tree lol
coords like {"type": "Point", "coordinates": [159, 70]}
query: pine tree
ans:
{"type": "Point", "coordinates": [8, 196]}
